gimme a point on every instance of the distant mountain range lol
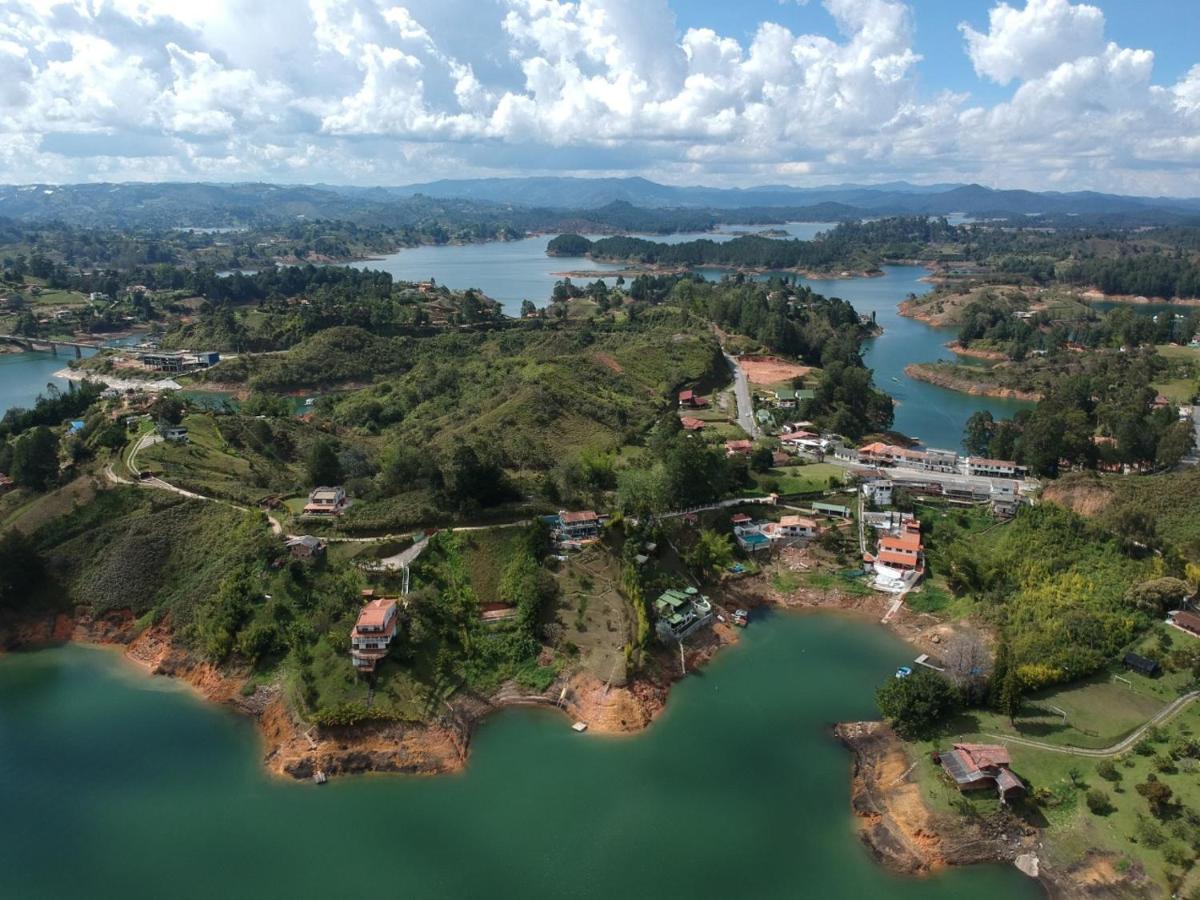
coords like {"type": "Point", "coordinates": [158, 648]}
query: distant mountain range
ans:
{"type": "Point", "coordinates": [547, 203]}
{"type": "Point", "coordinates": [883, 199]}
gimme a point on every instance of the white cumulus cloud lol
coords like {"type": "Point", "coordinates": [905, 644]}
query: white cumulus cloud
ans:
{"type": "Point", "coordinates": [386, 91]}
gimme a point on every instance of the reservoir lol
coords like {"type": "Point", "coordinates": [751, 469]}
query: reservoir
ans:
{"type": "Point", "coordinates": [117, 785]}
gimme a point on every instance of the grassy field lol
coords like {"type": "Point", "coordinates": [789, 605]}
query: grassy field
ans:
{"type": "Point", "coordinates": [804, 479]}
{"type": "Point", "coordinates": [1177, 390]}
{"type": "Point", "coordinates": [594, 614]}
{"type": "Point", "coordinates": [1127, 829]}
{"type": "Point", "coordinates": [1179, 354]}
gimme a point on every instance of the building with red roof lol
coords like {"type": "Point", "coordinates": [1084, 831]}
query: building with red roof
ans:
{"type": "Point", "coordinates": [373, 633]}
{"type": "Point", "coordinates": [980, 767]}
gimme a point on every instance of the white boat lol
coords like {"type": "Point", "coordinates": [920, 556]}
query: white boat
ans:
{"type": "Point", "coordinates": [580, 727]}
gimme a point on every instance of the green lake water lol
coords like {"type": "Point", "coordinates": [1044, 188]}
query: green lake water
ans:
{"type": "Point", "coordinates": [117, 785]}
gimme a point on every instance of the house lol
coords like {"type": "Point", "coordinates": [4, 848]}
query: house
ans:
{"type": "Point", "coordinates": [878, 493]}
{"type": "Point", "coordinates": [933, 460]}
{"type": "Point", "coordinates": [832, 510]}
{"type": "Point", "coordinates": [785, 398]}
{"type": "Point", "coordinates": [6, 483]}
{"type": "Point", "coordinates": [306, 547]}
{"type": "Point", "coordinates": [977, 767]}
{"type": "Point", "coordinates": [97, 297]}
{"type": "Point", "coordinates": [795, 527]}
{"type": "Point", "coordinates": [575, 527]}
{"type": "Point", "coordinates": [899, 561]}
{"type": "Point", "coordinates": [680, 613]}
{"type": "Point", "coordinates": [992, 468]}
{"type": "Point", "coordinates": [690, 400]}
{"type": "Point", "coordinates": [179, 361]}
{"type": "Point", "coordinates": [733, 448]}
{"type": "Point", "coordinates": [750, 536]}
{"type": "Point", "coordinates": [1187, 621]}
{"type": "Point", "coordinates": [372, 633]}
{"type": "Point", "coordinates": [175, 433]}
{"type": "Point", "coordinates": [1160, 402]}
{"type": "Point", "coordinates": [1140, 664]}
{"type": "Point", "coordinates": [75, 426]}
{"type": "Point", "coordinates": [690, 423]}
{"type": "Point", "coordinates": [326, 501]}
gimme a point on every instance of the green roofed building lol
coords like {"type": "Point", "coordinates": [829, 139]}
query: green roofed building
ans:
{"type": "Point", "coordinates": [680, 613]}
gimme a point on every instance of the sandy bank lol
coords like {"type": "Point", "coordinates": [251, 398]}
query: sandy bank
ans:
{"type": "Point", "coordinates": [974, 353]}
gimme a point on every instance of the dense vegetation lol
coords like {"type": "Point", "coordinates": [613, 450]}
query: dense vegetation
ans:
{"type": "Point", "coordinates": [848, 245]}
{"type": "Point", "coordinates": [1102, 412]}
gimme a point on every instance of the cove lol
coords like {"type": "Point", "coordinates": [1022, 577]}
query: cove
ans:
{"type": "Point", "coordinates": [117, 785]}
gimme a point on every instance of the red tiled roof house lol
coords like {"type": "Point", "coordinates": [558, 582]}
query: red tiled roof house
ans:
{"type": "Point", "coordinates": [372, 633]}
{"type": "Point", "coordinates": [977, 767]}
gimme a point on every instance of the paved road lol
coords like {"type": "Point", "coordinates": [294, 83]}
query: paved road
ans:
{"type": "Point", "coordinates": [741, 391]}
{"type": "Point", "coordinates": [1193, 458]}
{"type": "Point", "coordinates": [1167, 712]}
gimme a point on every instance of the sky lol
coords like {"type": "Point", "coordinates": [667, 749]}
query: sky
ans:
{"type": "Point", "coordinates": [1038, 94]}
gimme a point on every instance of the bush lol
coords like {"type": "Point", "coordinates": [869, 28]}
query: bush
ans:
{"type": "Point", "coordinates": [1099, 802]}
{"type": "Point", "coordinates": [1106, 770]}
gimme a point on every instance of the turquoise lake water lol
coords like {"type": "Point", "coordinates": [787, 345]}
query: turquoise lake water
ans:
{"type": "Point", "coordinates": [116, 785]}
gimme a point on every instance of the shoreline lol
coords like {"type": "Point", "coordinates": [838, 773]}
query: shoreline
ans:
{"type": "Point", "coordinates": [297, 749]}
{"type": "Point", "coordinates": [892, 819]}
{"type": "Point", "coordinates": [918, 372]}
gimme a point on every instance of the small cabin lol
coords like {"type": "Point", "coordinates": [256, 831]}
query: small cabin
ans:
{"type": "Point", "coordinates": [1135, 662]}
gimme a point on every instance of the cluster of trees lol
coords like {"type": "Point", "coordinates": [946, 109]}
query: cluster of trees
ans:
{"type": "Point", "coordinates": [849, 244]}
{"type": "Point", "coordinates": [991, 323]}
{"type": "Point", "coordinates": [1153, 274]}
{"type": "Point", "coordinates": [30, 438]}
{"type": "Point", "coordinates": [1103, 419]}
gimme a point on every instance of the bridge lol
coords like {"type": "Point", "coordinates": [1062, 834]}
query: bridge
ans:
{"type": "Point", "coordinates": [36, 343]}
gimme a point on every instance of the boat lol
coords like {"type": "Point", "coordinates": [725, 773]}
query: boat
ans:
{"type": "Point", "coordinates": [581, 727]}
{"type": "Point", "coordinates": [319, 776]}
{"type": "Point", "coordinates": [904, 671]}
{"type": "Point", "coordinates": [741, 617]}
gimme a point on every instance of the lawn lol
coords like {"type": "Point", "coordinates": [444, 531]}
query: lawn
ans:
{"type": "Point", "coordinates": [804, 479]}
{"type": "Point", "coordinates": [1177, 390]}
{"type": "Point", "coordinates": [204, 463]}
{"type": "Point", "coordinates": [1127, 830]}
{"type": "Point", "coordinates": [1176, 353]}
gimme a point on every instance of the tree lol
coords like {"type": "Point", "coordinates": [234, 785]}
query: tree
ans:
{"type": "Point", "coordinates": [1157, 794]}
{"type": "Point", "coordinates": [1012, 690]}
{"type": "Point", "coordinates": [35, 458]}
{"type": "Point", "coordinates": [20, 568]}
{"type": "Point", "coordinates": [966, 661]}
{"type": "Point", "coordinates": [322, 464]}
{"type": "Point", "coordinates": [1099, 802]}
{"type": "Point", "coordinates": [1157, 595]}
{"type": "Point", "coordinates": [1176, 443]}
{"type": "Point", "coordinates": [711, 553]}
{"type": "Point", "coordinates": [915, 704]}
{"type": "Point", "coordinates": [762, 459]}
{"type": "Point", "coordinates": [977, 435]}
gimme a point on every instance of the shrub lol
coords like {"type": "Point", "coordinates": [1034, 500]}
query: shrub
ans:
{"type": "Point", "coordinates": [1099, 802]}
